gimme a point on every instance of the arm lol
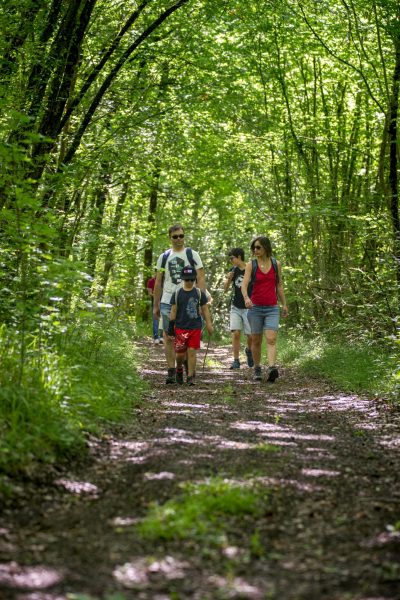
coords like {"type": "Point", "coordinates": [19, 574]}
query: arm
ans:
{"type": "Point", "coordinates": [245, 285]}
{"type": "Point", "coordinates": [228, 280]}
{"type": "Point", "coordinates": [171, 326]}
{"type": "Point", "coordinates": [281, 293]}
{"type": "Point", "coordinates": [207, 317]}
{"type": "Point", "coordinates": [157, 294]}
{"type": "Point", "coordinates": [172, 315]}
{"type": "Point", "coordinates": [201, 281]}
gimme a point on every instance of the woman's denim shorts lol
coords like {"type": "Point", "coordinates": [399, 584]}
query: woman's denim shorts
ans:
{"type": "Point", "coordinates": [263, 317]}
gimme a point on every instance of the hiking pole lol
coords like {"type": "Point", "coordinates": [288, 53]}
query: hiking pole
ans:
{"type": "Point", "coordinates": [205, 356]}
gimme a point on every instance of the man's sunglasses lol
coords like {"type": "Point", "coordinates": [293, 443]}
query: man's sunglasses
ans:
{"type": "Point", "coordinates": [179, 235]}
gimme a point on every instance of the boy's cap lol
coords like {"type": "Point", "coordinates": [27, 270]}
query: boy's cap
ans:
{"type": "Point", "coordinates": [188, 273]}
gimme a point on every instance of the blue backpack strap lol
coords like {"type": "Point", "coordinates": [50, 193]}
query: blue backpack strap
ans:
{"type": "Point", "coordinates": [275, 265]}
{"type": "Point", "coordinates": [254, 265]}
{"type": "Point", "coordinates": [164, 259]}
{"type": "Point", "coordinates": [189, 254]}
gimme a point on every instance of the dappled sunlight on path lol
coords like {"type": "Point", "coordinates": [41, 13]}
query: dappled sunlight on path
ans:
{"type": "Point", "coordinates": [323, 464]}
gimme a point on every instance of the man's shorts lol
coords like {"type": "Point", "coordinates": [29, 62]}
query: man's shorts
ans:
{"type": "Point", "coordinates": [165, 310]}
{"type": "Point", "coordinates": [239, 320]}
{"type": "Point", "coordinates": [186, 338]}
{"type": "Point", "coordinates": [263, 318]}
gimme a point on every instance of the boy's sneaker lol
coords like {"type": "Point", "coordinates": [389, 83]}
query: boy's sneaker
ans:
{"type": "Point", "coordinates": [272, 374]}
{"type": "Point", "coordinates": [171, 377]}
{"type": "Point", "coordinates": [249, 356]}
{"type": "Point", "coordinates": [257, 373]}
{"type": "Point", "coordinates": [179, 376]}
{"type": "Point", "coordinates": [235, 364]}
{"type": "Point", "coordinates": [191, 380]}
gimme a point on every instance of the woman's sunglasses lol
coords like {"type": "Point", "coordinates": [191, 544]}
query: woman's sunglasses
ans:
{"type": "Point", "coordinates": [257, 247]}
{"type": "Point", "coordinates": [179, 235]}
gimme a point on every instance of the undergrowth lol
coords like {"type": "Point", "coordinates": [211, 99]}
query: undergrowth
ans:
{"type": "Point", "coordinates": [82, 379]}
{"type": "Point", "coordinates": [359, 366]}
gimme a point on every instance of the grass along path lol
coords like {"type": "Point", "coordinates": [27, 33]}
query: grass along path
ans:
{"type": "Point", "coordinates": [231, 489]}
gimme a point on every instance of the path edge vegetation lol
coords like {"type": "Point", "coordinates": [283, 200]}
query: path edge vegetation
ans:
{"type": "Point", "coordinates": [87, 380]}
{"type": "Point", "coordinates": [114, 125]}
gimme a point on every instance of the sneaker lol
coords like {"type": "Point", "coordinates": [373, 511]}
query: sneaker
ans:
{"type": "Point", "coordinates": [272, 374]}
{"type": "Point", "coordinates": [190, 380]}
{"type": "Point", "coordinates": [235, 364]}
{"type": "Point", "coordinates": [257, 373]}
{"type": "Point", "coordinates": [249, 356]}
{"type": "Point", "coordinates": [179, 376]}
{"type": "Point", "coordinates": [171, 377]}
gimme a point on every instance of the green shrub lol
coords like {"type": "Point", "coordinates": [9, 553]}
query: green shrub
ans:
{"type": "Point", "coordinates": [357, 367]}
{"type": "Point", "coordinates": [78, 381]}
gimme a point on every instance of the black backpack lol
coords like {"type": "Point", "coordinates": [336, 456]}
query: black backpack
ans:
{"type": "Point", "coordinates": [254, 265]}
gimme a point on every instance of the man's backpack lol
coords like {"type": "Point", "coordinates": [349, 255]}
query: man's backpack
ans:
{"type": "Point", "coordinates": [254, 265]}
{"type": "Point", "coordinates": [189, 256]}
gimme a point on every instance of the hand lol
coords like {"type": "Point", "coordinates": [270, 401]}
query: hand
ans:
{"type": "Point", "coordinates": [285, 311]}
{"type": "Point", "coordinates": [248, 303]}
{"type": "Point", "coordinates": [210, 329]}
{"type": "Point", "coordinates": [156, 312]}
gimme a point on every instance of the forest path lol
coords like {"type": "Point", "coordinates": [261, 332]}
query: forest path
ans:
{"type": "Point", "coordinates": [329, 528]}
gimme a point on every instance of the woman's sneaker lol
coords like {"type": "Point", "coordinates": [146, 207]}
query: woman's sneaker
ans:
{"type": "Point", "coordinates": [272, 374]}
{"type": "Point", "coordinates": [171, 377]}
{"type": "Point", "coordinates": [235, 364]}
{"type": "Point", "coordinates": [179, 376]}
{"type": "Point", "coordinates": [257, 373]}
{"type": "Point", "coordinates": [249, 356]}
{"type": "Point", "coordinates": [191, 380]}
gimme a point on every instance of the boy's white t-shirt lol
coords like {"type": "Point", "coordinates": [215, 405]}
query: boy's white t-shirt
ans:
{"type": "Point", "coordinates": [173, 269]}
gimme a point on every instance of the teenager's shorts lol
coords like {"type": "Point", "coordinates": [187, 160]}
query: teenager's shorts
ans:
{"type": "Point", "coordinates": [239, 320]}
{"type": "Point", "coordinates": [263, 317]}
{"type": "Point", "coordinates": [165, 310]}
{"type": "Point", "coordinates": [187, 338]}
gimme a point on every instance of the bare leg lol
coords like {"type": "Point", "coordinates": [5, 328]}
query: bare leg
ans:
{"type": "Point", "coordinates": [270, 337]}
{"type": "Point", "coordinates": [169, 351]}
{"type": "Point", "coordinates": [249, 342]}
{"type": "Point", "coordinates": [191, 356]}
{"type": "Point", "coordinates": [236, 343]}
{"type": "Point", "coordinates": [180, 359]}
{"type": "Point", "coordinates": [256, 344]}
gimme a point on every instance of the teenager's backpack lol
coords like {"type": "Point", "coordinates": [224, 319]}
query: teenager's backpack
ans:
{"type": "Point", "coordinates": [189, 256]}
{"type": "Point", "coordinates": [254, 265]}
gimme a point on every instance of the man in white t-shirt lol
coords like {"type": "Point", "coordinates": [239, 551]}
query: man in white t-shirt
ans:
{"type": "Point", "coordinates": [169, 269]}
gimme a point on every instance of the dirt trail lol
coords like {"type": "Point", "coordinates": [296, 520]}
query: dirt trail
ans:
{"type": "Point", "coordinates": [330, 529]}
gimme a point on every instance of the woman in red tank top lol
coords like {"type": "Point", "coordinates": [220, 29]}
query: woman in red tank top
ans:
{"type": "Point", "coordinates": [262, 302]}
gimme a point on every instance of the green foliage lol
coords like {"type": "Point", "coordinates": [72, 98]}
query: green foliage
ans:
{"type": "Point", "coordinates": [353, 366]}
{"type": "Point", "coordinates": [261, 131]}
{"type": "Point", "coordinates": [82, 381]}
{"type": "Point", "coordinates": [202, 511]}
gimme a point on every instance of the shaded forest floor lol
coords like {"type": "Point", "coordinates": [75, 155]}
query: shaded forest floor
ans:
{"type": "Point", "coordinates": [328, 464]}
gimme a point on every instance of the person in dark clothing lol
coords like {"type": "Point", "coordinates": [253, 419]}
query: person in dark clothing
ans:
{"type": "Point", "coordinates": [238, 312]}
{"type": "Point", "coordinates": [189, 305]}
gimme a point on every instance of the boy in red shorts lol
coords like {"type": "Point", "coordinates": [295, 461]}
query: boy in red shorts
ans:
{"type": "Point", "coordinates": [189, 304]}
